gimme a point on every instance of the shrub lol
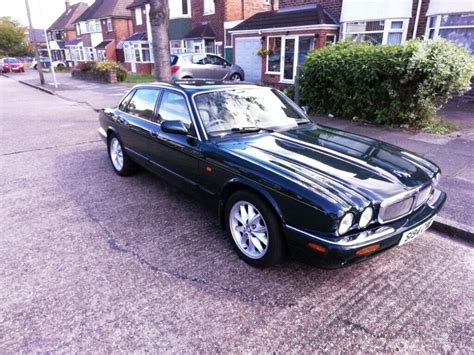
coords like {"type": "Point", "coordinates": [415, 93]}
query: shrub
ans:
{"type": "Point", "coordinates": [388, 84]}
{"type": "Point", "coordinates": [104, 67]}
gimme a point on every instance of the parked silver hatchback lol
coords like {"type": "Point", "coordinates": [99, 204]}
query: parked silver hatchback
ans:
{"type": "Point", "coordinates": [204, 66]}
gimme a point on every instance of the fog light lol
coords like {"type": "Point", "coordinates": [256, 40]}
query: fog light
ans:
{"type": "Point", "coordinates": [366, 217]}
{"type": "Point", "coordinates": [346, 223]}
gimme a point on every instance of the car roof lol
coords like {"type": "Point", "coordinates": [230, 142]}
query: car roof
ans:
{"type": "Point", "coordinates": [195, 86]}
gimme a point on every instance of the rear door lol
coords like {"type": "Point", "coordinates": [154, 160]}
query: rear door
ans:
{"type": "Point", "coordinates": [138, 122]}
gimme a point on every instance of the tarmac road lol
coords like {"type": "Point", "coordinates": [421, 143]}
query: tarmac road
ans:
{"type": "Point", "coordinates": [91, 262]}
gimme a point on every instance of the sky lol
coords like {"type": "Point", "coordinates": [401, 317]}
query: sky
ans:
{"type": "Point", "coordinates": [43, 12]}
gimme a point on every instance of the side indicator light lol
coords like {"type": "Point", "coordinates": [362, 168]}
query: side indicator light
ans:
{"type": "Point", "coordinates": [318, 248]}
{"type": "Point", "coordinates": [208, 169]}
{"type": "Point", "coordinates": [368, 249]}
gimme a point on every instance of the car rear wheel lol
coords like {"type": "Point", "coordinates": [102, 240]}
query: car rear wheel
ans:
{"type": "Point", "coordinates": [235, 77]}
{"type": "Point", "coordinates": [254, 229]}
{"type": "Point", "coordinates": [121, 162]}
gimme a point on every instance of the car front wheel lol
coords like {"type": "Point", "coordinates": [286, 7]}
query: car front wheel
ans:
{"type": "Point", "coordinates": [121, 162]}
{"type": "Point", "coordinates": [254, 229]}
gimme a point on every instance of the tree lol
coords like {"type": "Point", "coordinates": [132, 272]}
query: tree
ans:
{"type": "Point", "coordinates": [13, 38]}
{"type": "Point", "coordinates": [159, 21]}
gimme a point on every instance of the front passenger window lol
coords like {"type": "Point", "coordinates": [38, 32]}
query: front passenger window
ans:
{"type": "Point", "coordinates": [173, 107]}
{"type": "Point", "coordinates": [143, 103]}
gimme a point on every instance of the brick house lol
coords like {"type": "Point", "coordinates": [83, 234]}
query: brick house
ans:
{"type": "Point", "coordinates": [63, 31]}
{"type": "Point", "coordinates": [212, 19]}
{"type": "Point", "coordinates": [137, 47]}
{"type": "Point", "coordinates": [374, 21]}
{"type": "Point", "coordinates": [100, 30]}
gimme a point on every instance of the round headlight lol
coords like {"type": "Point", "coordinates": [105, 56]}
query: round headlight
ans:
{"type": "Point", "coordinates": [366, 217]}
{"type": "Point", "coordinates": [346, 223]}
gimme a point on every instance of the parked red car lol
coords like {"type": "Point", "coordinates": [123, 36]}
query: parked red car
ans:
{"type": "Point", "coordinates": [11, 65]}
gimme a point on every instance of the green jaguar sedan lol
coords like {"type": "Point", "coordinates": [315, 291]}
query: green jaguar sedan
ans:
{"type": "Point", "coordinates": [280, 182]}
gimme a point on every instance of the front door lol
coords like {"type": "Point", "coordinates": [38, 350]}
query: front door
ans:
{"type": "Point", "coordinates": [175, 154]}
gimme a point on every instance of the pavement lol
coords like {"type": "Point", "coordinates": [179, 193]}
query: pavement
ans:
{"type": "Point", "coordinates": [94, 263]}
{"type": "Point", "coordinates": [454, 152]}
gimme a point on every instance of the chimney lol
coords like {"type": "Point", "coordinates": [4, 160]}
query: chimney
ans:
{"type": "Point", "coordinates": [68, 5]}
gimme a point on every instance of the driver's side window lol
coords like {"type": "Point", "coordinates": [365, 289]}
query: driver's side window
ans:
{"type": "Point", "coordinates": [173, 107]}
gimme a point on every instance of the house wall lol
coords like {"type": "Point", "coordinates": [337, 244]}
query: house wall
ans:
{"type": "Point", "coordinates": [420, 32]}
{"type": "Point", "coordinates": [216, 20]}
{"type": "Point", "coordinates": [333, 7]}
{"type": "Point", "coordinates": [227, 10]}
{"type": "Point", "coordinates": [121, 28]}
{"type": "Point", "coordinates": [274, 79]}
{"type": "Point", "coordinates": [143, 26]}
{"type": "Point", "coordinates": [142, 68]}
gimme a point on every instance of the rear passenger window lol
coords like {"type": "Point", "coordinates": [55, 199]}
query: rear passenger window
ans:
{"type": "Point", "coordinates": [143, 103]}
{"type": "Point", "coordinates": [174, 107]}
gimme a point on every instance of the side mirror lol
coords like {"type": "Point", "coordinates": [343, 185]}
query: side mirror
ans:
{"type": "Point", "coordinates": [174, 127]}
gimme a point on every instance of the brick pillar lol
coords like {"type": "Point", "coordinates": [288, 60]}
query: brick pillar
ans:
{"type": "Point", "coordinates": [112, 76]}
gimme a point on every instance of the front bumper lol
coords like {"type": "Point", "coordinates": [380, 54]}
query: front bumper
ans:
{"type": "Point", "coordinates": [333, 253]}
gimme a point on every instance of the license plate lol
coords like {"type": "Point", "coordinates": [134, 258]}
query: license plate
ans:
{"type": "Point", "coordinates": [408, 236]}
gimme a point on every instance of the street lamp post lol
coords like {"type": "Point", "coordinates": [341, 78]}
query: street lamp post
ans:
{"type": "Point", "coordinates": [35, 46]}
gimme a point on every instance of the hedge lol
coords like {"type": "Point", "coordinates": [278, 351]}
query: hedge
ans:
{"type": "Point", "coordinates": [388, 84]}
{"type": "Point", "coordinates": [102, 68]}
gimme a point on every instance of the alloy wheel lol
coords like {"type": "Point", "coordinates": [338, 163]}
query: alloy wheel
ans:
{"type": "Point", "coordinates": [248, 229]}
{"type": "Point", "coordinates": [116, 154]}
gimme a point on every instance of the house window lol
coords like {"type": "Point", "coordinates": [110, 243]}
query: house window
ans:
{"type": "Point", "coordinates": [330, 39]}
{"type": "Point", "coordinates": [138, 17]}
{"type": "Point", "coordinates": [456, 28]}
{"type": "Point", "coordinates": [138, 52]}
{"type": "Point", "coordinates": [305, 45]}
{"type": "Point", "coordinates": [109, 25]}
{"type": "Point", "coordinates": [185, 7]}
{"type": "Point", "coordinates": [209, 7]}
{"type": "Point", "coordinates": [274, 58]}
{"type": "Point", "coordinates": [94, 26]}
{"type": "Point", "coordinates": [176, 47]}
{"type": "Point", "coordinates": [209, 46]}
{"type": "Point", "coordinates": [377, 32]}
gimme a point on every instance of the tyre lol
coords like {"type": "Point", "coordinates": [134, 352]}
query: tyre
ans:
{"type": "Point", "coordinates": [235, 77]}
{"type": "Point", "coordinates": [254, 229]}
{"type": "Point", "coordinates": [121, 162]}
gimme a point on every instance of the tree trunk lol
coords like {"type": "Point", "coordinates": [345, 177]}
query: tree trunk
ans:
{"type": "Point", "coordinates": [159, 21]}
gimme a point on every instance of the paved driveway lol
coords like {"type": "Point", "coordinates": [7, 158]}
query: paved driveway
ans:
{"type": "Point", "coordinates": [91, 262]}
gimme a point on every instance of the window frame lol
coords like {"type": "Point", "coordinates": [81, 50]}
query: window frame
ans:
{"type": "Point", "coordinates": [437, 24]}
{"type": "Point", "coordinates": [387, 29]}
{"type": "Point", "coordinates": [268, 57]}
{"type": "Point", "coordinates": [207, 8]}
{"type": "Point", "coordinates": [138, 15]}
{"type": "Point", "coordinates": [155, 110]}
{"type": "Point", "coordinates": [191, 129]}
{"type": "Point", "coordinates": [109, 25]}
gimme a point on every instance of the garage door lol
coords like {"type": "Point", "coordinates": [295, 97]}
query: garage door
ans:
{"type": "Point", "coordinates": [246, 56]}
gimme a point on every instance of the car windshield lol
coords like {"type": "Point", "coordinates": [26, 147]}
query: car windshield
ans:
{"type": "Point", "coordinates": [12, 60]}
{"type": "Point", "coordinates": [247, 110]}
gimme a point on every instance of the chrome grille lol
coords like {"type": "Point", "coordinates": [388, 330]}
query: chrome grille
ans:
{"type": "Point", "coordinates": [397, 209]}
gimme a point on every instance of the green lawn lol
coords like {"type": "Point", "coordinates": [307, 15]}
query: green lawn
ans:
{"type": "Point", "coordinates": [139, 78]}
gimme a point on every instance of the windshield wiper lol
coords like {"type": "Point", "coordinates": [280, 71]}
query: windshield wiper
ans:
{"type": "Point", "coordinates": [250, 129]}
